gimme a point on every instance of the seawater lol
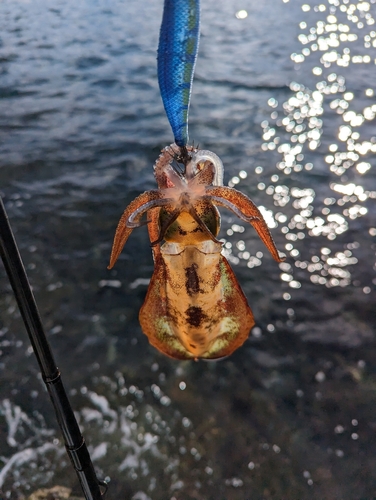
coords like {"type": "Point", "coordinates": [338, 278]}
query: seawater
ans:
{"type": "Point", "coordinates": [284, 93]}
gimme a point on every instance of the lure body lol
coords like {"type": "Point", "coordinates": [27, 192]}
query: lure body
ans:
{"type": "Point", "coordinates": [194, 307]}
{"type": "Point", "coordinates": [177, 54]}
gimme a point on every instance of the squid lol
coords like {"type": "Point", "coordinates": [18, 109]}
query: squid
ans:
{"type": "Point", "coordinates": [194, 307]}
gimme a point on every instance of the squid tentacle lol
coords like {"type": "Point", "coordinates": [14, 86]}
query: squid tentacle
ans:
{"type": "Point", "coordinates": [133, 219]}
{"type": "Point", "coordinates": [201, 156]}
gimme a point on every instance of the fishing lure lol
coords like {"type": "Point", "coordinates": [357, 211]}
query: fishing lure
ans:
{"type": "Point", "coordinates": [177, 54]}
{"type": "Point", "coordinates": [194, 307]}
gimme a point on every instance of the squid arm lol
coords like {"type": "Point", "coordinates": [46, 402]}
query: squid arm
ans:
{"type": "Point", "coordinates": [131, 219]}
{"type": "Point", "coordinates": [246, 210]}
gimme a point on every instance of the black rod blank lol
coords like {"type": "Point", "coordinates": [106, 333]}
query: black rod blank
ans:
{"type": "Point", "coordinates": [73, 439]}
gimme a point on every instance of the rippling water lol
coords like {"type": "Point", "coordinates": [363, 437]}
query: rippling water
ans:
{"type": "Point", "coordinates": [286, 97]}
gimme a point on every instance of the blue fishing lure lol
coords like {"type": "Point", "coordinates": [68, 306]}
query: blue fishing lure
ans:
{"type": "Point", "coordinates": [177, 54]}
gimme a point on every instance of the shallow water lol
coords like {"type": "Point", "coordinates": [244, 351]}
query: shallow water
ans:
{"type": "Point", "coordinates": [286, 98]}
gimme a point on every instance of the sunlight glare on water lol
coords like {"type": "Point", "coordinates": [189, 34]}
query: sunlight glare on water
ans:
{"type": "Point", "coordinates": [338, 39]}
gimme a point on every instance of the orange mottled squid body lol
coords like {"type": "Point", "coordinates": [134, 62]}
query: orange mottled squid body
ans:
{"type": "Point", "coordinates": [194, 307]}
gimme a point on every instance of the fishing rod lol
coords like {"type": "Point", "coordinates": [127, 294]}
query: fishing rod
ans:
{"type": "Point", "coordinates": [73, 439]}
